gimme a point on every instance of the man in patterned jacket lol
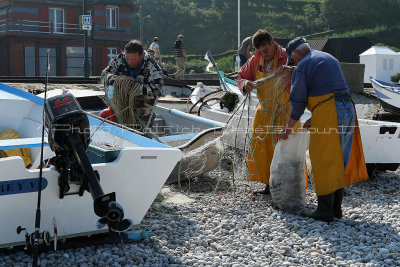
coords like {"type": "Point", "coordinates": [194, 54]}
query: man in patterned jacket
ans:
{"type": "Point", "coordinates": [146, 85]}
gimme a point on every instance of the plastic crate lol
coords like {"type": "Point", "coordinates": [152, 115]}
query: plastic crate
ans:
{"type": "Point", "coordinates": [102, 152]}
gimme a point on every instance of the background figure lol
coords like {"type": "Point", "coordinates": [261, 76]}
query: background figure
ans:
{"type": "Point", "coordinates": [180, 57]}
{"type": "Point", "coordinates": [151, 52]}
{"type": "Point", "coordinates": [244, 50]}
{"type": "Point", "coordinates": [132, 79]}
{"type": "Point", "coordinates": [337, 156]}
{"type": "Point", "coordinates": [156, 47]}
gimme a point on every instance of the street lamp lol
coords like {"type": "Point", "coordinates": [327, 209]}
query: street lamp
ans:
{"type": "Point", "coordinates": [141, 20]}
{"type": "Point", "coordinates": [238, 23]}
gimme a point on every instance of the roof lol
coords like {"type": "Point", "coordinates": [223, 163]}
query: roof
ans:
{"type": "Point", "coordinates": [379, 50]}
{"type": "Point", "coordinates": [316, 44]}
{"type": "Point", "coordinates": [343, 49]}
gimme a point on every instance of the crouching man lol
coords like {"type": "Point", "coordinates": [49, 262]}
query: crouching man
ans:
{"type": "Point", "coordinates": [132, 82]}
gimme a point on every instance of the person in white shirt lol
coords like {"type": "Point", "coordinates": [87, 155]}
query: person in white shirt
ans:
{"type": "Point", "coordinates": [154, 45]}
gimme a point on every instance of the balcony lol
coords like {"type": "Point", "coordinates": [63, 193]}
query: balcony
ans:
{"type": "Point", "coordinates": [18, 27]}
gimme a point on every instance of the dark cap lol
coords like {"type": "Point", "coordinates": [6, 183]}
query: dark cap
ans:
{"type": "Point", "coordinates": [155, 39]}
{"type": "Point", "coordinates": [292, 45]}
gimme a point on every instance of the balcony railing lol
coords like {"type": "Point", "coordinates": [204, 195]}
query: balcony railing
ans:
{"type": "Point", "coordinates": [38, 27]}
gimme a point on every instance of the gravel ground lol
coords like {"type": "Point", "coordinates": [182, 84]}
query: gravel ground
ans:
{"type": "Point", "coordinates": [223, 228]}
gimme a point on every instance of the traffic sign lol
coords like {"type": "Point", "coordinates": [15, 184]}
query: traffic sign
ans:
{"type": "Point", "coordinates": [86, 22]}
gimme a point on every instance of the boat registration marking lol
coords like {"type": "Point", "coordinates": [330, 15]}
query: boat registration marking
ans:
{"type": "Point", "coordinates": [21, 186]}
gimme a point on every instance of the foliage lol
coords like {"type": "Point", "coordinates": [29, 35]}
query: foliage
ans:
{"type": "Point", "coordinates": [225, 64]}
{"type": "Point", "coordinates": [342, 13]}
{"type": "Point", "coordinates": [395, 78]}
{"type": "Point", "coordinates": [170, 67]}
{"type": "Point", "coordinates": [212, 24]}
{"type": "Point", "coordinates": [198, 66]}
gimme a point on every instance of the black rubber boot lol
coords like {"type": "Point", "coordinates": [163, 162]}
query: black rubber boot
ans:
{"type": "Point", "coordinates": [263, 192]}
{"type": "Point", "coordinates": [337, 203]}
{"type": "Point", "coordinates": [324, 210]}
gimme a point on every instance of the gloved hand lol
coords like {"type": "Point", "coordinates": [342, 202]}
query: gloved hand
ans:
{"type": "Point", "coordinates": [139, 78]}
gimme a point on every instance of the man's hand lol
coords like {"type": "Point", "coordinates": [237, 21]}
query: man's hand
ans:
{"type": "Point", "coordinates": [285, 69]}
{"type": "Point", "coordinates": [307, 124]}
{"type": "Point", "coordinates": [249, 86]}
{"type": "Point", "coordinates": [284, 134]}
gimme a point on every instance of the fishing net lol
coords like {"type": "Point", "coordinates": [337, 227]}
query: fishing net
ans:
{"type": "Point", "coordinates": [227, 150]}
{"type": "Point", "coordinates": [238, 138]}
{"type": "Point", "coordinates": [130, 106]}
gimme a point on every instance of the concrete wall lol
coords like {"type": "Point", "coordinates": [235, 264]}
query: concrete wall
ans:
{"type": "Point", "coordinates": [354, 75]}
{"type": "Point", "coordinates": [201, 76]}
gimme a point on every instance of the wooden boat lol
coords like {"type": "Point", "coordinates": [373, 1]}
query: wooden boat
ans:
{"type": "Point", "coordinates": [388, 95]}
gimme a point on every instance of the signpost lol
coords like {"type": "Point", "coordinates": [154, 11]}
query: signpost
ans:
{"type": "Point", "coordinates": [86, 24]}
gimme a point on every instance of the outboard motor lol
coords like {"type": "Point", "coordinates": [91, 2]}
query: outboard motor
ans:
{"type": "Point", "coordinates": [69, 135]}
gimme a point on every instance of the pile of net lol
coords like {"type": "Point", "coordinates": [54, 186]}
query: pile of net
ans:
{"type": "Point", "coordinates": [287, 179]}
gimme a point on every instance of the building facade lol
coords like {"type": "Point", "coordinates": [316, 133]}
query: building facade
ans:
{"type": "Point", "coordinates": [29, 29]}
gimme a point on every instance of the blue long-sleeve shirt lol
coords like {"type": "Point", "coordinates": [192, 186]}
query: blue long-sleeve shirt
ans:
{"type": "Point", "coordinates": [318, 73]}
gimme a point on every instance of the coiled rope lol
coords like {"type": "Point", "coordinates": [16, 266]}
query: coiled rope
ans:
{"type": "Point", "coordinates": [126, 89]}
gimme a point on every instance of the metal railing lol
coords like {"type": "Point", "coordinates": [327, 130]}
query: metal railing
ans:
{"type": "Point", "coordinates": [38, 27]}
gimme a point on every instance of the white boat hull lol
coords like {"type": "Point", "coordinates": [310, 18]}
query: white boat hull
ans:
{"type": "Point", "coordinates": [136, 175]}
{"type": "Point", "coordinates": [389, 96]}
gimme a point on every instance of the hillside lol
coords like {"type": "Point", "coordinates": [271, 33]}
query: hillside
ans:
{"type": "Point", "coordinates": [212, 24]}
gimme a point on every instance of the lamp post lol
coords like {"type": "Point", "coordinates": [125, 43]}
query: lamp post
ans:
{"type": "Point", "coordinates": [86, 63]}
{"type": "Point", "coordinates": [141, 21]}
{"type": "Point", "coordinates": [238, 23]}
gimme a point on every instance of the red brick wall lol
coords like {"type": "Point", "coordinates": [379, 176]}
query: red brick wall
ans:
{"type": "Point", "coordinates": [44, 16]}
{"type": "Point", "coordinates": [17, 65]}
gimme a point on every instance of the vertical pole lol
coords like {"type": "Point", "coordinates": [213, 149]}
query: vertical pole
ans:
{"type": "Point", "coordinates": [86, 63]}
{"type": "Point", "coordinates": [238, 23]}
{"type": "Point", "coordinates": [141, 24]}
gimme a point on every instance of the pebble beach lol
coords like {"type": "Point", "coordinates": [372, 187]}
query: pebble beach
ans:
{"type": "Point", "coordinates": [215, 220]}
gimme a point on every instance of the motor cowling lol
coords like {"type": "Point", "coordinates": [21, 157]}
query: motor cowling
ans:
{"type": "Point", "coordinates": [64, 114]}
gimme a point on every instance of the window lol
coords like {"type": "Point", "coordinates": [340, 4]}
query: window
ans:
{"type": "Point", "coordinates": [390, 63]}
{"type": "Point", "coordinates": [385, 64]}
{"type": "Point", "coordinates": [75, 57]}
{"type": "Point", "coordinates": [30, 61]}
{"type": "Point", "coordinates": [111, 53]}
{"type": "Point", "coordinates": [112, 15]}
{"type": "Point", "coordinates": [56, 17]}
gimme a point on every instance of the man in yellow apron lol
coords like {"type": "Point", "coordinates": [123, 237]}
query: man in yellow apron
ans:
{"type": "Point", "coordinates": [273, 109]}
{"type": "Point", "coordinates": [335, 149]}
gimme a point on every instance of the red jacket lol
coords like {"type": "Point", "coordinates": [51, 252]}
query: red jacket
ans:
{"type": "Point", "coordinates": [249, 70]}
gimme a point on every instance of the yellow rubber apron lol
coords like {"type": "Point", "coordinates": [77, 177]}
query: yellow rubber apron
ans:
{"type": "Point", "coordinates": [326, 151]}
{"type": "Point", "coordinates": [272, 114]}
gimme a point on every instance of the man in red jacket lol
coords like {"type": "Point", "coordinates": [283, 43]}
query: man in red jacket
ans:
{"type": "Point", "coordinates": [273, 108]}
